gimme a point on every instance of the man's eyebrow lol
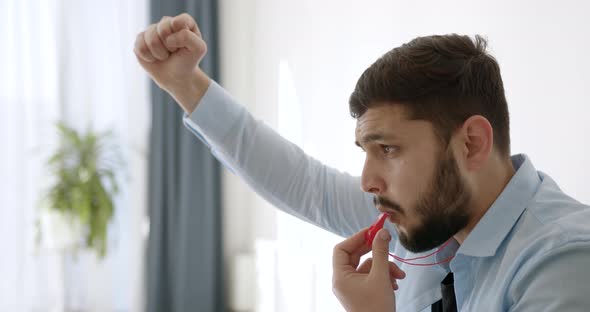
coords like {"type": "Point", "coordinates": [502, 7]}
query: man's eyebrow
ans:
{"type": "Point", "coordinates": [373, 137]}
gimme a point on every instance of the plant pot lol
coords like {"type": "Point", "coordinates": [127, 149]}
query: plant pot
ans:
{"type": "Point", "coordinates": [60, 232]}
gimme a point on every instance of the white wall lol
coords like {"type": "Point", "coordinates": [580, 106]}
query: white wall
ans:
{"type": "Point", "coordinates": [247, 217]}
{"type": "Point", "coordinates": [541, 47]}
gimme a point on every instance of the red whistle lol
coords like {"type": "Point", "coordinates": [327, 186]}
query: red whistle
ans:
{"type": "Point", "coordinates": [372, 231]}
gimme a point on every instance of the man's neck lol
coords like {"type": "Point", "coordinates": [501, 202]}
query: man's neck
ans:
{"type": "Point", "coordinates": [492, 183]}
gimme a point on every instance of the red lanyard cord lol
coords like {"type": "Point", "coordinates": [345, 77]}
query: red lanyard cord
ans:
{"type": "Point", "coordinates": [407, 261]}
{"type": "Point", "coordinates": [372, 231]}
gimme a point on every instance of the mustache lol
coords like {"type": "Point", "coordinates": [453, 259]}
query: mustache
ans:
{"type": "Point", "coordinates": [378, 200]}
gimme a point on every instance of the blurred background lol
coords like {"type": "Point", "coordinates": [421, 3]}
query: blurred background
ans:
{"type": "Point", "coordinates": [155, 223]}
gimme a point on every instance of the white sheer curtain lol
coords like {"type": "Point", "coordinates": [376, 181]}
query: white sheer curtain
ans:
{"type": "Point", "coordinates": [72, 61]}
{"type": "Point", "coordinates": [29, 102]}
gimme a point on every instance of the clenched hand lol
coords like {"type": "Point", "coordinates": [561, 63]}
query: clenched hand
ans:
{"type": "Point", "coordinates": [170, 52]}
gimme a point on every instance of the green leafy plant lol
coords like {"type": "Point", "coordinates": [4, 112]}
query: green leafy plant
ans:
{"type": "Point", "coordinates": [84, 167]}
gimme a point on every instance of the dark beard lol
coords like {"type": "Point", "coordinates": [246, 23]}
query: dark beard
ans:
{"type": "Point", "coordinates": [443, 209]}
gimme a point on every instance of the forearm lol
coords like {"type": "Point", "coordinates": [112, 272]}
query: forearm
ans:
{"type": "Point", "coordinates": [298, 184]}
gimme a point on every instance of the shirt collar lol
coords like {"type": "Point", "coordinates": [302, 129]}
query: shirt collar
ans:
{"type": "Point", "coordinates": [494, 226]}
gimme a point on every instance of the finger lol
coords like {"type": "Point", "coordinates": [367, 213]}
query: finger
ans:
{"type": "Point", "coordinates": [394, 284]}
{"type": "Point", "coordinates": [395, 271]}
{"type": "Point", "coordinates": [164, 29]}
{"type": "Point", "coordinates": [187, 39]}
{"type": "Point", "coordinates": [143, 62]}
{"type": "Point", "coordinates": [393, 279]}
{"type": "Point", "coordinates": [154, 43]}
{"type": "Point", "coordinates": [141, 49]}
{"type": "Point", "coordinates": [185, 21]}
{"type": "Point", "coordinates": [365, 267]}
{"type": "Point", "coordinates": [355, 257]}
{"type": "Point", "coordinates": [349, 251]}
{"type": "Point", "coordinates": [381, 253]}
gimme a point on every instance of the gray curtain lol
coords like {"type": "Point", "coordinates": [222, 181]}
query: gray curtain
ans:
{"type": "Point", "coordinates": [184, 256]}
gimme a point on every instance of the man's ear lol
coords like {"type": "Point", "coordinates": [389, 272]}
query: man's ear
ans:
{"type": "Point", "coordinates": [477, 139]}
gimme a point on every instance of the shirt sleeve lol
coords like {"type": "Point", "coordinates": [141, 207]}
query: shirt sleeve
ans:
{"type": "Point", "coordinates": [277, 169]}
{"type": "Point", "coordinates": [558, 282]}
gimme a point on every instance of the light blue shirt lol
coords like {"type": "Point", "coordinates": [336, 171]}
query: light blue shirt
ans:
{"type": "Point", "coordinates": [529, 252]}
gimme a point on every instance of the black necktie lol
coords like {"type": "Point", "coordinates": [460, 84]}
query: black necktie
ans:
{"type": "Point", "coordinates": [448, 302]}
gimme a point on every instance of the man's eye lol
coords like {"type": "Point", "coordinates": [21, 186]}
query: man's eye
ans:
{"type": "Point", "coordinates": [387, 149]}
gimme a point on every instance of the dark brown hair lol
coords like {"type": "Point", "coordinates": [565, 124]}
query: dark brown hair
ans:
{"type": "Point", "coordinates": [441, 79]}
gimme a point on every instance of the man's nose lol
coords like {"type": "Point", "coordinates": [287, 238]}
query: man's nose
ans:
{"type": "Point", "coordinates": [372, 180]}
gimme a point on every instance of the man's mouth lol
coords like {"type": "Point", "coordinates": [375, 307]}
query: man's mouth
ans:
{"type": "Point", "coordinates": [392, 216]}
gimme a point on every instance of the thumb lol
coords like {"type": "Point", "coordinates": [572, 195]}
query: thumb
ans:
{"type": "Point", "coordinates": [380, 264]}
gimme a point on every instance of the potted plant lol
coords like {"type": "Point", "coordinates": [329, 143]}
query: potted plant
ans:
{"type": "Point", "coordinates": [80, 200]}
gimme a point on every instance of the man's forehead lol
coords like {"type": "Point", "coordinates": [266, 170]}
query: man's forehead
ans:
{"type": "Point", "coordinates": [382, 119]}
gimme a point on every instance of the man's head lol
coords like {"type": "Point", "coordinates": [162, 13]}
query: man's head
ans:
{"type": "Point", "coordinates": [431, 116]}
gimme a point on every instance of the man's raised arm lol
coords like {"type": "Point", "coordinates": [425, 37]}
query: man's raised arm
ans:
{"type": "Point", "coordinates": [275, 168]}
